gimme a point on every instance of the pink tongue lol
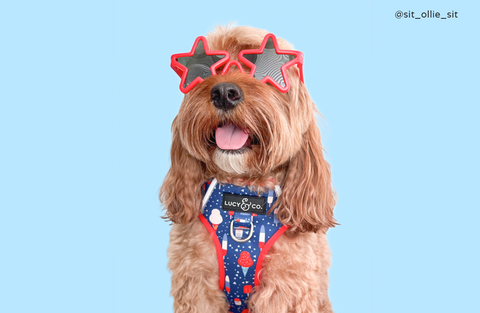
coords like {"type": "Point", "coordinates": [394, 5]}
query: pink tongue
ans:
{"type": "Point", "coordinates": [230, 137]}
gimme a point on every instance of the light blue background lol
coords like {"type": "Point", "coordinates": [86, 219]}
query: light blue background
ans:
{"type": "Point", "coordinates": [87, 99]}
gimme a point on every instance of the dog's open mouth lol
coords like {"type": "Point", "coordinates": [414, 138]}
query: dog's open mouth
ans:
{"type": "Point", "coordinates": [232, 137]}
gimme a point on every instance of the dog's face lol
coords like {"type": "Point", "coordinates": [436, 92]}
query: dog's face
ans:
{"type": "Point", "coordinates": [235, 127]}
{"type": "Point", "coordinates": [239, 126]}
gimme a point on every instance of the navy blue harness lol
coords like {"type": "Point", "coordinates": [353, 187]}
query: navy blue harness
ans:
{"type": "Point", "coordinates": [243, 233]}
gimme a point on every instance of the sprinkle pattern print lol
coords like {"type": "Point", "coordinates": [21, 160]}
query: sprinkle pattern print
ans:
{"type": "Point", "coordinates": [240, 259]}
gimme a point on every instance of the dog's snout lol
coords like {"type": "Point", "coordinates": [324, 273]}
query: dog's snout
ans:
{"type": "Point", "coordinates": [226, 96]}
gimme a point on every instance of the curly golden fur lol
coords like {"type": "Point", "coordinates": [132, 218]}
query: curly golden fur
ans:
{"type": "Point", "coordinates": [287, 151]}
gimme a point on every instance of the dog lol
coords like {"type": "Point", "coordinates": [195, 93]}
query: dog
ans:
{"type": "Point", "coordinates": [247, 127]}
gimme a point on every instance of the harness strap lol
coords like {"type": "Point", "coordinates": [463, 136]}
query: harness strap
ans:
{"type": "Point", "coordinates": [218, 248]}
{"type": "Point", "coordinates": [208, 193]}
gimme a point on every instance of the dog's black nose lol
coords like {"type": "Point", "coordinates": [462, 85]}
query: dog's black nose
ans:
{"type": "Point", "coordinates": [226, 96]}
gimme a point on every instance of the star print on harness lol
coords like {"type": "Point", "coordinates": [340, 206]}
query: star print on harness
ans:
{"type": "Point", "coordinates": [243, 232]}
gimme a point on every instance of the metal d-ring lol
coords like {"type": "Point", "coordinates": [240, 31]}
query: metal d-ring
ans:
{"type": "Point", "coordinates": [250, 234]}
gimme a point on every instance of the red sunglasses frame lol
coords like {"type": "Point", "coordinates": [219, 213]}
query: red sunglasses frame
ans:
{"type": "Point", "coordinates": [267, 79]}
{"type": "Point", "coordinates": [182, 70]}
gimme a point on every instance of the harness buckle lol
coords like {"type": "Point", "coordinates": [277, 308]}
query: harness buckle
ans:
{"type": "Point", "coordinates": [250, 233]}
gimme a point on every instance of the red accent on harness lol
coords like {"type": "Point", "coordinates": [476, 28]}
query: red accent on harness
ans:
{"type": "Point", "coordinates": [264, 252]}
{"type": "Point", "coordinates": [218, 247]}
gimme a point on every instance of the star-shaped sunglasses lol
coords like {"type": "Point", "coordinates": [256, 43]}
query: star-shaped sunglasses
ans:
{"type": "Point", "coordinates": [268, 64]}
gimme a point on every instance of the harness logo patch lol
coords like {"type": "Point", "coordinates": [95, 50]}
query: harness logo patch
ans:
{"type": "Point", "coordinates": [244, 204]}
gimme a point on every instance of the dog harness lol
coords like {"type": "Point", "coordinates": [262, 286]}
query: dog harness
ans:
{"type": "Point", "coordinates": [243, 232]}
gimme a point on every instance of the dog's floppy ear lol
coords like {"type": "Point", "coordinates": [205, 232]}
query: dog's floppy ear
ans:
{"type": "Point", "coordinates": [181, 190]}
{"type": "Point", "coordinates": [308, 198]}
